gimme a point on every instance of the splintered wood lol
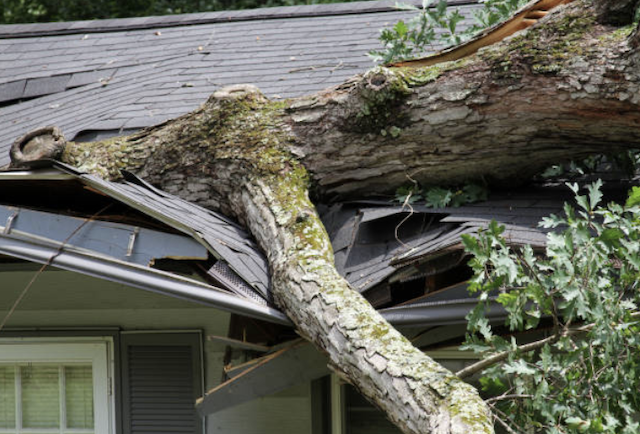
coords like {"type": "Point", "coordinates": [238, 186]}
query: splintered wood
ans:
{"type": "Point", "coordinates": [528, 16]}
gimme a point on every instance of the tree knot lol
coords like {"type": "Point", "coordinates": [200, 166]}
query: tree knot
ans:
{"type": "Point", "coordinates": [237, 92]}
{"type": "Point", "coordinates": [42, 143]}
{"type": "Point", "coordinates": [382, 80]}
{"type": "Point", "coordinates": [377, 81]}
{"type": "Point", "coordinates": [381, 92]}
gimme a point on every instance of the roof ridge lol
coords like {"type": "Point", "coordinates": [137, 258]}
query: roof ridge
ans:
{"type": "Point", "coordinates": [136, 23]}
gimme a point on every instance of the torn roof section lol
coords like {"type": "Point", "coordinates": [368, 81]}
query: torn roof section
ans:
{"type": "Point", "coordinates": [379, 245]}
{"type": "Point", "coordinates": [100, 78]}
{"type": "Point", "coordinates": [412, 260]}
{"type": "Point", "coordinates": [223, 239]}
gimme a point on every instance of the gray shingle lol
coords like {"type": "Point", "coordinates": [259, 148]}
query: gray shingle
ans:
{"type": "Point", "coordinates": [83, 78]}
{"type": "Point", "coordinates": [12, 90]}
{"type": "Point", "coordinates": [46, 85]}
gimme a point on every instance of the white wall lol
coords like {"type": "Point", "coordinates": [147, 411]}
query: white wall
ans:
{"type": "Point", "coordinates": [67, 300]}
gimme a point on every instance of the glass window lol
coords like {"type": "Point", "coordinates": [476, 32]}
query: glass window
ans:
{"type": "Point", "coordinates": [41, 392]}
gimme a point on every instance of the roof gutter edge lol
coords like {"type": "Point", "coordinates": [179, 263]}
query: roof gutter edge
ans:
{"type": "Point", "coordinates": [441, 314]}
{"type": "Point", "coordinates": [139, 277]}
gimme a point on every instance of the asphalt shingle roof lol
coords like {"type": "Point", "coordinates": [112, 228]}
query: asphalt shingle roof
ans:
{"type": "Point", "coordinates": [122, 75]}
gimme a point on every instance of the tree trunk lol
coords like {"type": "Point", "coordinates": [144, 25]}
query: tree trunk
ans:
{"type": "Point", "coordinates": [566, 88]}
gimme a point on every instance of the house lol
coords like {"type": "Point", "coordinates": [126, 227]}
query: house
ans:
{"type": "Point", "coordinates": [121, 305]}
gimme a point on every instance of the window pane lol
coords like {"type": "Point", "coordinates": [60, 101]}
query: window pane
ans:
{"type": "Point", "coordinates": [40, 396]}
{"type": "Point", "coordinates": [79, 396]}
{"type": "Point", "coordinates": [7, 397]}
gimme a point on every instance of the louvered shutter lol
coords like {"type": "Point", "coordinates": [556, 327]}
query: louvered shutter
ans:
{"type": "Point", "coordinates": [161, 381]}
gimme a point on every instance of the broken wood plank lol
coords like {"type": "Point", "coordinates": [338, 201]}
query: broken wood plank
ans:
{"type": "Point", "coordinates": [292, 365]}
{"type": "Point", "coordinates": [235, 343]}
{"type": "Point", "coordinates": [527, 16]}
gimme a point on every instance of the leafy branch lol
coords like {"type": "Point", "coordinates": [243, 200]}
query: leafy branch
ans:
{"type": "Point", "coordinates": [583, 378]}
{"type": "Point", "coordinates": [436, 22]}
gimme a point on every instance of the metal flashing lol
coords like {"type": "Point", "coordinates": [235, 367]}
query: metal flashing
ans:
{"type": "Point", "coordinates": [438, 313]}
{"type": "Point", "coordinates": [119, 241]}
{"type": "Point", "coordinates": [42, 175]}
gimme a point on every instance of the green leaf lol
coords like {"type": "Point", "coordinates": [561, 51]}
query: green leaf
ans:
{"type": "Point", "coordinates": [634, 197]}
{"type": "Point", "coordinates": [595, 195]}
{"type": "Point", "coordinates": [519, 367]}
{"type": "Point", "coordinates": [401, 28]}
{"type": "Point", "coordinates": [438, 197]}
{"type": "Point", "coordinates": [611, 236]}
{"type": "Point", "coordinates": [470, 244]}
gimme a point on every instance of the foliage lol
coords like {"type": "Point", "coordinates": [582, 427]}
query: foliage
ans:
{"type": "Point", "coordinates": [405, 40]}
{"type": "Point", "coordinates": [440, 197]}
{"type": "Point", "coordinates": [627, 163]}
{"type": "Point", "coordinates": [437, 23]}
{"type": "Point", "coordinates": [584, 376]}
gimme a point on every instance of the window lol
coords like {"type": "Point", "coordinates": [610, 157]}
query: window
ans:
{"type": "Point", "coordinates": [53, 387]}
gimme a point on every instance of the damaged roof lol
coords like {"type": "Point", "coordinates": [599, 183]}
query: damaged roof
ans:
{"type": "Point", "coordinates": [389, 253]}
{"type": "Point", "coordinates": [380, 244]}
{"type": "Point", "coordinates": [106, 77]}
{"type": "Point", "coordinates": [129, 249]}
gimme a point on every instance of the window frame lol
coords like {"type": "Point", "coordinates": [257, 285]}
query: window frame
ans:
{"type": "Point", "coordinates": [98, 351]}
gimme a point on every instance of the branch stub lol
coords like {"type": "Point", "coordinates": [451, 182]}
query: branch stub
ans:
{"type": "Point", "coordinates": [38, 144]}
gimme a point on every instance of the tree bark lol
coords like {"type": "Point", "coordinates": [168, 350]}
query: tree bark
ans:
{"type": "Point", "coordinates": [565, 88]}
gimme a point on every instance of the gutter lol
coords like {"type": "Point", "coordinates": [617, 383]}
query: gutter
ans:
{"type": "Point", "coordinates": [447, 312]}
{"type": "Point", "coordinates": [172, 285]}
{"type": "Point", "coordinates": [137, 276]}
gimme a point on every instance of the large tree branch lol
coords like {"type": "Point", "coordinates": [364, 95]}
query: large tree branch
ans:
{"type": "Point", "coordinates": [563, 89]}
{"type": "Point", "coordinates": [417, 394]}
{"type": "Point", "coordinates": [245, 165]}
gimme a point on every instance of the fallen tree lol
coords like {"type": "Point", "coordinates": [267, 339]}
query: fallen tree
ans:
{"type": "Point", "coordinates": [565, 88]}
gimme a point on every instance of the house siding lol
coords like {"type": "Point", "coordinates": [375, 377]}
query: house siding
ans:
{"type": "Point", "coordinates": [93, 304]}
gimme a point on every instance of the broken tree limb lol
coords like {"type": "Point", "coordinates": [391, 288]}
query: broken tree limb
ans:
{"type": "Point", "coordinates": [523, 18]}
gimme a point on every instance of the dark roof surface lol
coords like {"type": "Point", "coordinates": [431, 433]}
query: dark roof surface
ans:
{"type": "Point", "coordinates": [373, 241]}
{"type": "Point", "coordinates": [120, 75]}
